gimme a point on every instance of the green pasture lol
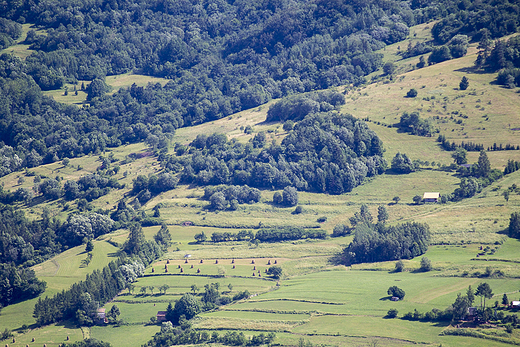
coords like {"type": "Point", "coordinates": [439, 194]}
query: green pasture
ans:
{"type": "Point", "coordinates": [52, 335]}
{"type": "Point", "coordinates": [115, 82]}
{"type": "Point", "coordinates": [257, 316]}
{"type": "Point", "coordinates": [125, 335]}
{"type": "Point", "coordinates": [60, 273]}
{"type": "Point", "coordinates": [233, 126]}
{"type": "Point", "coordinates": [20, 49]}
{"type": "Point", "coordinates": [67, 268]}
{"type": "Point", "coordinates": [137, 313]}
{"type": "Point", "coordinates": [182, 284]}
{"type": "Point", "coordinates": [364, 292]}
{"type": "Point", "coordinates": [484, 109]}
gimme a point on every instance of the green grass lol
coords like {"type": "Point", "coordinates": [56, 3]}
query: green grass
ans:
{"type": "Point", "coordinates": [126, 335]}
{"type": "Point", "coordinates": [51, 335]}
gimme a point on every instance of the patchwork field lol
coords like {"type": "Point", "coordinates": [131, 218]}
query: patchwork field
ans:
{"type": "Point", "coordinates": [316, 301]}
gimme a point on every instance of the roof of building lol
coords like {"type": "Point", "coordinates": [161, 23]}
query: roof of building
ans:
{"type": "Point", "coordinates": [431, 195]}
{"type": "Point", "coordinates": [515, 303]}
{"type": "Point", "coordinates": [161, 313]}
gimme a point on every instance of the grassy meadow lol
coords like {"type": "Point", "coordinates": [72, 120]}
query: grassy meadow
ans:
{"type": "Point", "coordinates": [315, 300]}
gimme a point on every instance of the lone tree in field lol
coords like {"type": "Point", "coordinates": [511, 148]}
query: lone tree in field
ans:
{"type": "Point", "coordinates": [426, 264]}
{"type": "Point", "coordinates": [514, 225]}
{"type": "Point", "coordinates": [290, 196]}
{"type": "Point", "coordinates": [382, 214]}
{"type": "Point", "coordinates": [412, 93]}
{"type": "Point", "coordinates": [396, 199]}
{"type": "Point", "coordinates": [90, 246]}
{"type": "Point", "coordinates": [275, 271]}
{"type": "Point", "coordinates": [399, 266]}
{"type": "Point", "coordinates": [464, 83]}
{"type": "Point", "coordinates": [484, 166]}
{"type": "Point", "coordinates": [396, 291]}
{"type": "Point", "coordinates": [392, 313]}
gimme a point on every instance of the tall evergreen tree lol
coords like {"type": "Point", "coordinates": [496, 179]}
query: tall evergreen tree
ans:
{"type": "Point", "coordinates": [484, 166]}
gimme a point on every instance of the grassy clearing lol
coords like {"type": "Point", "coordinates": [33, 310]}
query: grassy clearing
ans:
{"type": "Point", "coordinates": [19, 49]}
{"type": "Point", "coordinates": [126, 335]}
{"type": "Point", "coordinates": [52, 335]}
{"type": "Point", "coordinates": [115, 83]}
{"type": "Point", "coordinates": [67, 268]}
{"type": "Point", "coordinates": [484, 109]}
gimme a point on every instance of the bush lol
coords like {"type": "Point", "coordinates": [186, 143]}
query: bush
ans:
{"type": "Point", "coordinates": [275, 271]}
{"type": "Point", "coordinates": [298, 210]}
{"type": "Point", "coordinates": [290, 196]}
{"type": "Point", "coordinates": [399, 266]}
{"type": "Point", "coordinates": [396, 291]}
{"type": "Point", "coordinates": [426, 264]}
{"type": "Point", "coordinates": [392, 313]}
{"type": "Point", "coordinates": [412, 93]}
{"type": "Point", "coordinates": [277, 198]}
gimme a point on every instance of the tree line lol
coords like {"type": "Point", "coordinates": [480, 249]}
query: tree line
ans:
{"type": "Point", "coordinates": [282, 233]}
{"type": "Point", "coordinates": [18, 284]}
{"type": "Point", "coordinates": [380, 242]}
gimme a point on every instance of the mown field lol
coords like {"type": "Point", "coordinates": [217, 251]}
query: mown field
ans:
{"type": "Point", "coordinates": [316, 300]}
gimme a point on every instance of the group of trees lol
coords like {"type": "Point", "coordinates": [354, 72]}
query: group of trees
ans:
{"type": "Point", "coordinates": [223, 196]}
{"type": "Point", "coordinates": [25, 242]}
{"type": "Point", "coordinates": [457, 47]}
{"type": "Point", "coordinates": [145, 187]}
{"type": "Point", "coordinates": [265, 235]}
{"type": "Point", "coordinates": [220, 58]}
{"type": "Point", "coordinates": [469, 18]}
{"type": "Point", "coordinates": [18, 284]}
{"type": "Point", "coordinates": [383, 243]}
{"type": "Point", "coordinates": [413, 124]}
{"type": "Point", "coordinates": [170, 336]}
{"type": "Point", "coordinates": [296, 107]}
{"type": "Point", "coordinates": [326, 152]}
{"type": "Point", "coordinates": [459, 309]}
{"type": "Point", "coordinates": [380, 242]}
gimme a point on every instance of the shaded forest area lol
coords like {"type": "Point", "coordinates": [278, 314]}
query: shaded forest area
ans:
{"type": "Point", "coordinates": [221, 57]}
{"type": "Point", "coordinates": [325, 152]}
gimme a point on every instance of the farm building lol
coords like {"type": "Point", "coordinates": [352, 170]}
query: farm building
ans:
{"type": "Point", "coordinates": [472, 313]}
{"type": "Point", "coordinates": [161, 316]}
{"type": "Point", "coordinates": [515, 305]}
{"type": "Point", "coordinates": [431, 197]}
{"type": "Point", "coordinates": [101, 317]}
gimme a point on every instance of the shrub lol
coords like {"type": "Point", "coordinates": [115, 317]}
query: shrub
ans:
{"type": "Point", "coordinates": [392, 313]}
{"type": "Point", "coordinates": [396, 291]}
{"type": "Point", "coordinates": [298, 210]}
{"type": "Point", "coordinates": [412, 93]}
{"type": "Point", "coordinates": [399, 266]}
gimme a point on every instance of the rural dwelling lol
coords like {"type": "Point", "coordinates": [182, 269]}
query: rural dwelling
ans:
{"type": "Point", "coordinates": [515, 305]}
{"type": "Point", "coordinates": [101, 317]}
{"type": "Point", "coordinates": [472, 313]}
{"type": "Point", "coordinates": [161, 316]}
{"type": "Point", "coordinates": [431, 197]}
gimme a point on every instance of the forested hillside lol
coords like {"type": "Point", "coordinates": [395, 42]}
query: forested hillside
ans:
{"type": "Point", "coordinates": [220, 57]}
{"type": "Point", "coordinates": [265, 187]}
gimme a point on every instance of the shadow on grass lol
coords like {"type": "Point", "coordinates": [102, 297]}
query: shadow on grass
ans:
{"type": "Point", "coordinates": [386, 298]}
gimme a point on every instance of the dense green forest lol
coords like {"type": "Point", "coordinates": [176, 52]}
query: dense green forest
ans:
{"type": "Point", "coordinates": [220, 57]}
{"type": "Point", "coordinates": [325, 152]}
